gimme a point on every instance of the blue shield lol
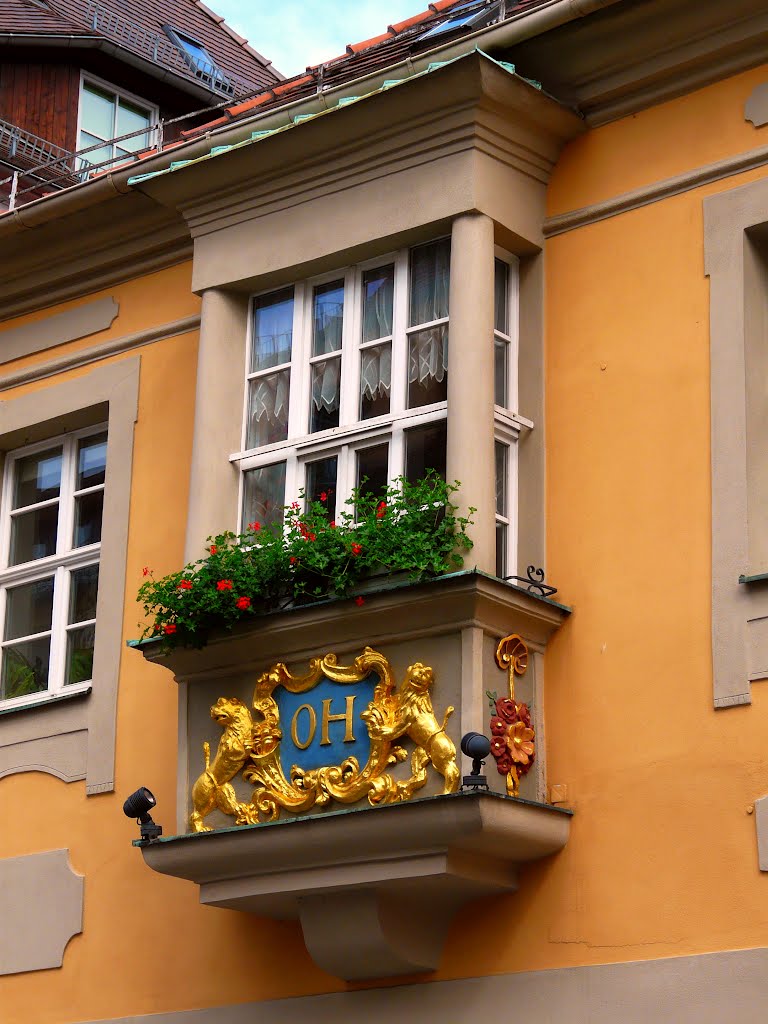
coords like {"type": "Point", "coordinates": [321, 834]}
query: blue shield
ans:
{"type": "Point", "coordinates": [322, 726]}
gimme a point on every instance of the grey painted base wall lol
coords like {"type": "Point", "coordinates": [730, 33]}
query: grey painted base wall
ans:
{"type": "Point", "coordinates": [717, 988]}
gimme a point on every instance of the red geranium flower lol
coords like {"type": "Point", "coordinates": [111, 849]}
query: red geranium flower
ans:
{"type": "Point", "coordinates": [312, 536]}
{"type": "Point", "coordinates": [185, 585]}
{"type": "Point", "coordinates": [254, 526]}
{"type": "Point", "coordinates": [224, 585]}
{"type": "Point", "coordinates": [242, 603]}
{"type": "Point", "coordinates": [381, 510]}
{"type": "Point", "coordinates": [359, 601]}
{"type": "Point", "coordinates": [293, 560]}
{"type": "Point", "coordinates": [213, 549]}
{"type": "Point", "coordinates": [356, 549]}
{"type": "Point", "coordinates": [169, 627]}
{"type": "Point", "coordinates": [145, 571]}
{"type": "Point", "coordinates": [323, 496]}
{"type": "Point", "coordinates": [332, 524]}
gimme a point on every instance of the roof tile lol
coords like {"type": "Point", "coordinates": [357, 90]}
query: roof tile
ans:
{"type": "Point", "coordinates": [401, 26]}
{"type": "Point", "coordinates": [357, 47]}
{"type": "Point", "coordinates": [254, 101]}
{"type": "Point", "coordinates": [292, 83]}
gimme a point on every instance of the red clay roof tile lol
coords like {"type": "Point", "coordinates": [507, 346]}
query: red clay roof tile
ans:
{"type": "Point", "coordinates": [292, 83]}
{"type": "Point", "coordinates": [357, 47]}
{"type": "Point", "coordinates": [205, 127]}
{"type": "Point", "coordinates": [255, 101]}
{"type": "Point", "coordinates": [401, 26]}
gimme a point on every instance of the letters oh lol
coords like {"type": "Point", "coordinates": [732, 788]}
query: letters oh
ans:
{"type": "Point", "coordinates": [347, 716]}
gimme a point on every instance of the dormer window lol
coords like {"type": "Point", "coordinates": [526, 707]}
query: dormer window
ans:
{"type": "Point", "coordinates": [106, 114]}
{"type": "Point", "coordinates": [199, 59]}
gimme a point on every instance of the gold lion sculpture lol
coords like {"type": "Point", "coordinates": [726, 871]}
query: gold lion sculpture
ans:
{"type": "Point", "coordinates": [214, 787]}
{"type": "Point", "coordinates": [409, 713]}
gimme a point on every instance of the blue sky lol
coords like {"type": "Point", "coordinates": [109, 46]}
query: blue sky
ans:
{"type": "Point", "coordinates": [310, 31]}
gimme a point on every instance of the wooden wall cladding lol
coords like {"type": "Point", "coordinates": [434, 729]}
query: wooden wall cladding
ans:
{"type": "Point", "coordinates": [42, 98]}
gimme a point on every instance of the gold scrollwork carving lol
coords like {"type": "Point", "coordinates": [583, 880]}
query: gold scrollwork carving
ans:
{"type": "Point", "coordinates": [251, 743]}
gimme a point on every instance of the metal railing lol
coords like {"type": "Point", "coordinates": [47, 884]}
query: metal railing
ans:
{"type": "Point", "coordinates": [17, 143]}
{"type": "Point", "coordinates": [160, 50]}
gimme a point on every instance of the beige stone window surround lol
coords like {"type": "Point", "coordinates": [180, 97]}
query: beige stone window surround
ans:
{"type": "Point", "coordinates": [74, 738]}
{"type": "Point", "coordinates": [736, 261]}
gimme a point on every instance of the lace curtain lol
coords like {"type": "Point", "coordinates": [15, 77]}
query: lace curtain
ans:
{"type": "Point", "coordinates": [430, 280]}
{"type": "Point", "coordinates": [269, 409]}
{"type": "Point", "coordinates": [376, 371]}
{"type": "Point", "coordinates": [325, 384]}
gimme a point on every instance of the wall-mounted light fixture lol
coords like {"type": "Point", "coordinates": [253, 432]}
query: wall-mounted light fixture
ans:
{"type": "Point", "coordinates": [476, 746]}
{"type": "Point", "coordinates": [137, 806]}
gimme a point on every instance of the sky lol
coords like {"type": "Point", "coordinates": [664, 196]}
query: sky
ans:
{"type": "Point", "coordinates": [306, 32]}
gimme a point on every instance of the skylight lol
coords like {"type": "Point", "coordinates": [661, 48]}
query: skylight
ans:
{"type": "Point", "coordinates": [472, 14]}
{"type": "Point", "coordinates": [200, 60]}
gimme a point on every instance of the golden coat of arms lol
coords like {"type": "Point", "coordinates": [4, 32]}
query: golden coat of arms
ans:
{"type": "Point", "coordinates": [284, 743]}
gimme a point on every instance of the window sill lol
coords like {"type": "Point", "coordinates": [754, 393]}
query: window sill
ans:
{"type": "Point", "coordinates": [375, 889]}
{"type": "Point", "coordinates": [60, 698]}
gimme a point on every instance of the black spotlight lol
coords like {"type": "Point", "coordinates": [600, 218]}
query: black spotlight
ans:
{"type": "Point", "coordinates": [476, 746]}
{"type": "Point", "coordinates": [137, 806]}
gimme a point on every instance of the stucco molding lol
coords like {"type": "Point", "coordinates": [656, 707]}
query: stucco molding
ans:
{"type": "Point", "coordinates": [756, 107]}
{"type": "Point", "coordinates": [76, 739]}
{"type": "Point", "coordinates": [58, 329]}
{"type": "Point", "coordinates": [736, 268]}
{"type": "Point", "coordinates": [95, 353]}
{"type": "Point", "coordinates": [41, 907]}
{"type": "Point", "coordinates": [711, 988]}
{"type": "Point", "coordinates": [656, 191]}
{"type": "Point", "coordinates": [761, 828]}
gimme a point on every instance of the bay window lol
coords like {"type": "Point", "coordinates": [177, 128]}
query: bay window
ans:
{"type": "Point", "coordinates": [346, 382]}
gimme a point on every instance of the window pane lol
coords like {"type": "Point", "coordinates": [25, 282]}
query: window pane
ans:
{"type": "Point", "coordinates": [28, 609]}
{"type": "Point", "coordinates": [501, 297]}
{"type": "Point", "coordinates": [38, 478]}
{"type": "Point", "coordinates": [326, 386]}
{"type": "Point", "coordinates": [378, 294]}
{"type": "Point", "coordinates": [131, 118]}
{"type": "Point", "coordinates": [272, 330]}
{"type": "Point", "coordinates": [83, 590]}
{"type": "Point", "coordinates": [328, 315]}
{"type": "Point", "coordinates": [321, 479]}
{"type": "Point", "coordinates": [424, 450]}
{"type": "Point", "coordinates": [375, 380]}
{"type": "Point", "coordinates": [373, 470]}
{"type": "Point", "coordinates": [80, 655]}
{"type": "Point", "coordinates": [500, 451]}
{"type": "Point", "coordinates": [500, 372]}
{"type": "Point", "coordinates": [25, 668]}
{"type": "Point", "coordinates": [91, 461]}
{"type": "Point", "coordinates": [430, 273]}
{"type": "Point", "coordinates": [97, 112]}
{"type": "Point", "coordinates": [95, 156]}
{"type": "Point", "coordinates": [33, 534]}
{"type": "Point", "coordinates": [264, 495]}
{"type": "Point", "coordinates": [428, 366]}
{"type": "Point", "coordinates": [88, 509]}
{"type": "Point", "coordinates": [268, 409]}
{"type": "Point", "coordinates": [501, 550]}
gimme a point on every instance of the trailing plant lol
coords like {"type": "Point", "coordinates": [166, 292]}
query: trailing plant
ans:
{"type": "Point", "coordinates": [412, 528]}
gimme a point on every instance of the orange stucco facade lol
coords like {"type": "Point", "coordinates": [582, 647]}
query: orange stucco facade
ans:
{"type": "Point", "coordinates": [662, 858]}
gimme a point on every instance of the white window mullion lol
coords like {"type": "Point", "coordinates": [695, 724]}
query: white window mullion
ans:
{"type": "Point", "coordinates": [64, 534]}
{"type": "Point", "coordinates": [57, 664]}
{"type": "Point", "coordinates": [350, 360]}
{"type": "Point", "coordinates": [301, 350]}
{"type": "Point", "coordinates": [399, 389]}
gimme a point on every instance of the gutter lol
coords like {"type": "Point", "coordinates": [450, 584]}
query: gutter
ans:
{"type": "Point", "coordinates": [516, 29]}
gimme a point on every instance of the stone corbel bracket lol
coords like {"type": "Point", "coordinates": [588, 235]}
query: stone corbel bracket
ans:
{"type": "Point", "coordinates": [375, 889]}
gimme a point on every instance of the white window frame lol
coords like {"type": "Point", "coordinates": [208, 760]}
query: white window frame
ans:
{"type": "Point", "coordinates": [352, 434]}
{"type": "Point", "coordinates": [101, 83]}
{"type": "Point", "coordinates": [66, 560]}
{"type": "Point", "coordinates": [508, 423]}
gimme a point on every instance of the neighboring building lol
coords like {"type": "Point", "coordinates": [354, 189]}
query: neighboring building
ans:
{"type": "Point", "coordinates": [578, 194]}
{"type": "Point", "coordinates": [77, 73]}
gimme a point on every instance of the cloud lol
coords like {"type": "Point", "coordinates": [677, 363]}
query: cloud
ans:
{"type": "Point", "coordinates": [310, 31]}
